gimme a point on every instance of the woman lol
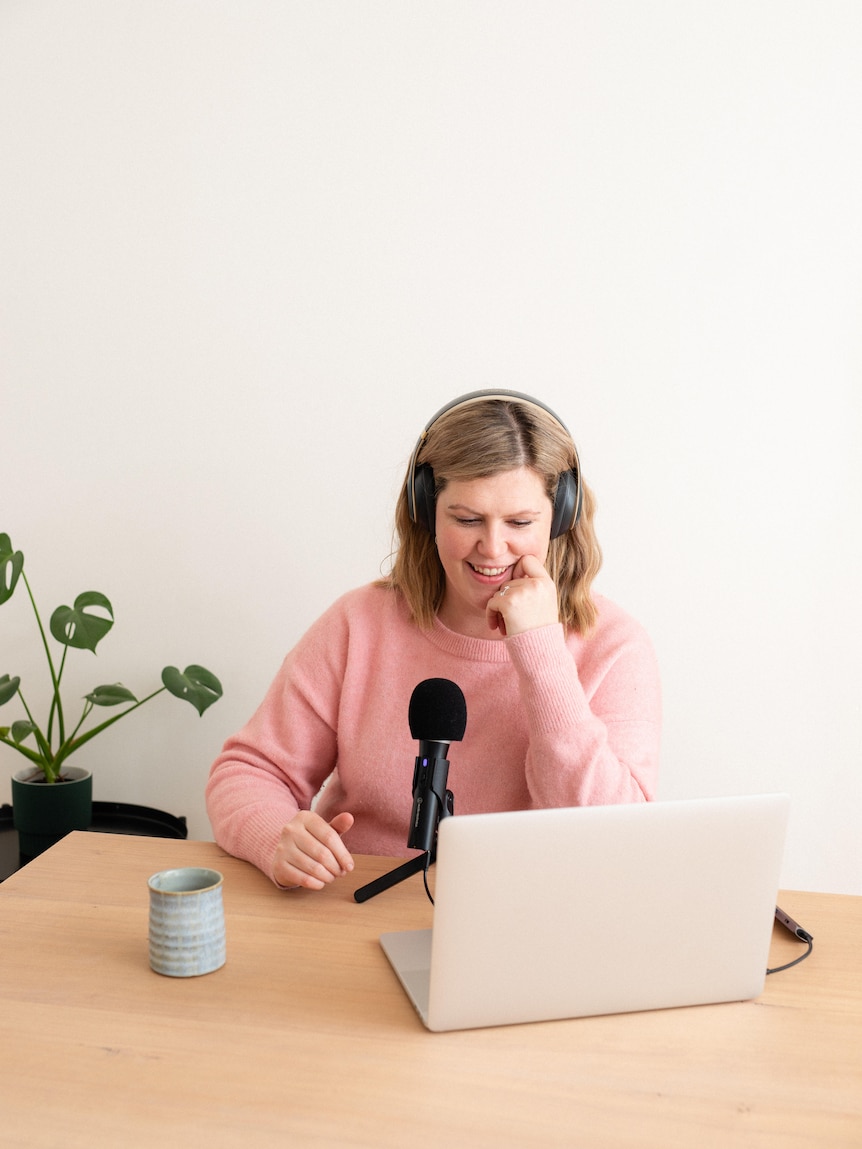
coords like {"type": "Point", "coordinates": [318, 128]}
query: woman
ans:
{"type": "Point", "coordinates": [490, 588]}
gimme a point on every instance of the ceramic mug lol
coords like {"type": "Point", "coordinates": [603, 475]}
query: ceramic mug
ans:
{"type": "Point", "coordinates": [187, 934]}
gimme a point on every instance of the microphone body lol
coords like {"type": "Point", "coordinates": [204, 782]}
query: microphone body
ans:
{"type": "Point", "coordinates": [430, 775]}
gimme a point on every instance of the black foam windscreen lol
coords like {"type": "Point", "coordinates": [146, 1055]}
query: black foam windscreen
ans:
{"type": "Point", "coordinates": [438, 711]}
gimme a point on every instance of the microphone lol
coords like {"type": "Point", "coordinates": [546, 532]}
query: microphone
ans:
{"type": "Point", "coordinates": [437, 716]}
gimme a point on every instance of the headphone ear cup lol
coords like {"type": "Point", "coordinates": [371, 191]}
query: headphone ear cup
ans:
{"type": "Point", "coordinates": [424, 509]}
{"type": "Point", "coordinates": [567, 504]}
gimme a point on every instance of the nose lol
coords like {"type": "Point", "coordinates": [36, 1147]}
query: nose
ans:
{"type": "Point", "coordinates": [492, 542]}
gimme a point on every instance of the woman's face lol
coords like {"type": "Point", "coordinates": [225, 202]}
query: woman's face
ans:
{"type": "Point", "coordinates": [484, 526]}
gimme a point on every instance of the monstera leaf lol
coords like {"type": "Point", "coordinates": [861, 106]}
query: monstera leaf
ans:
{"type": "Point", "coordinates": [8, 688]}
{"type": "Point", "coordinates": [74, 626]}
{"type": "Point", "coordinates": [11, 565]}
{"type": "Point", "coordinates": [196, 685]}
{"type": "Point", "coordinates": [110, 695]}
{"type": "Point", "coordinates": [22, 730]}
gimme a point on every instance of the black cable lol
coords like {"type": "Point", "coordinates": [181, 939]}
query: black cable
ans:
{"type": "Point", "coordinates": [425, 877]}
{"type": "Point", "coordinates": [778, 969]}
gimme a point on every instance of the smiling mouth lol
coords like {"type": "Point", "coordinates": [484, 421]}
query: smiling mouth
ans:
{"type": "Point", "coordinates": [488, 572]}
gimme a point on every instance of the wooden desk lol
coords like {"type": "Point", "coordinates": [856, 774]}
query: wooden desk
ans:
{"type": "Point", "coordinates": [306, 1039]}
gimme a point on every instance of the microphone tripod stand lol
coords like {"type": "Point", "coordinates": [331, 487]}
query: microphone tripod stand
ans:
{"type": "Point", "coordinates": [413, 865]}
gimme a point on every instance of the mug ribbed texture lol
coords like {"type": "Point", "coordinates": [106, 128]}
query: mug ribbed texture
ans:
{"type": "Point", "coordinates": [187, 932]}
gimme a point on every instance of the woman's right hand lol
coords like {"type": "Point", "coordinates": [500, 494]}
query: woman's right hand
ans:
{"type": "Point", "coordinates": [310, 852]}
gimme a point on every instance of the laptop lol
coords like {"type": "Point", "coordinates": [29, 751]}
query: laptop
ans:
{"type": "Point", "coordinates": [561, 913]}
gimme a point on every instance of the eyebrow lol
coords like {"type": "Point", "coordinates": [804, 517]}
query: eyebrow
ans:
{"type": "Point", "coordinates": [480, 515]}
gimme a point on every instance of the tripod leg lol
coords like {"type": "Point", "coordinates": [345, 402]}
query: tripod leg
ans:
{"type": "Point", "coordinates": [413, 866]}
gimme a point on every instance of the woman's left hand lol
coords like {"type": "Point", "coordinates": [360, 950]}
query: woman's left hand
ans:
{"type": "Point", "coordinates": [527, 602]}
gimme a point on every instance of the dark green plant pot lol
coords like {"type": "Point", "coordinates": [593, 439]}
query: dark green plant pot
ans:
{"type": "Point", "coordinates": [45, 812]}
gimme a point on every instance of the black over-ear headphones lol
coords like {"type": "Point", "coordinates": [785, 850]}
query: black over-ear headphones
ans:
{"type": "Point", "coordinates": [421, 493]}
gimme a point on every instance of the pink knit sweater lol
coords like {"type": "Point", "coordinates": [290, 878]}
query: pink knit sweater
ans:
{"type": "Point", "coordinates": [553, 719]}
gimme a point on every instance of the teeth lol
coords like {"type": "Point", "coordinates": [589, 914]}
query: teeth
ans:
{"type": "Point", "coordinates": [489, 572]}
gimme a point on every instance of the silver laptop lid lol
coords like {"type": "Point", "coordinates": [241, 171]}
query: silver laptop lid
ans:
{"type": "Point", "coordinates": [571, 912]}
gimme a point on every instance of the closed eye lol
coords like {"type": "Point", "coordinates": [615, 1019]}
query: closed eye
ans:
{"type": "Point", "coordinates": [512, 522]}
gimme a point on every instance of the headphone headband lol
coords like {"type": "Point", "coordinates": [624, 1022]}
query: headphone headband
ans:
{"type": "Point", "coordinates": [420, 491]}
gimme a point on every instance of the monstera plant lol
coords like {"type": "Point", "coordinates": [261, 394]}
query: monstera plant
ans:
{"type": "Point", "coordinates": [78, 627]}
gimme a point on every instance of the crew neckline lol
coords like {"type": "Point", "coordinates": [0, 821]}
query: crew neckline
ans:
{"type": "Point", "coordinates": [465, 646]}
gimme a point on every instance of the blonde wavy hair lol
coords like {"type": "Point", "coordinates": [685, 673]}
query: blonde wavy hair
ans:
{"type": "Point", "coordinates": [475, 441]}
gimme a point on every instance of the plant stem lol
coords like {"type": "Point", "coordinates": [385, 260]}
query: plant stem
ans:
{"type": "Point", "coordinates": [55, 680]}
{"type": "Point", "coordinates": [55, 702]}
{"type": "Point", "coordinates": [72, 744]}
{"type": "Point", "coordinates": [44, 746]}
{"type": "Point", "coordinates": [88, 706]}
{"type": "Point", "coordinates": [29, 754]}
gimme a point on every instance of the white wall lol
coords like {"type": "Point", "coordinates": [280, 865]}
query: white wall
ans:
{"type": "Point", "coordinates": [247, 247]}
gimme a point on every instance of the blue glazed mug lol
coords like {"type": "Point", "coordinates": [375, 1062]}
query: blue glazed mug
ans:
{"type": "Point", "coordinates": [187, 933]}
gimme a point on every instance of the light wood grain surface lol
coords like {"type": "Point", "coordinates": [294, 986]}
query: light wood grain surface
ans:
{"type": "Point", "coordinates": [305, 1038]}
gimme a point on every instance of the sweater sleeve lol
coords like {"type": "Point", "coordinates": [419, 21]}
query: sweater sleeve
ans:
{"type": "Point", "coordinates": [593, 712]}
{"type": "Point", "coordinates": [276, 764]}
